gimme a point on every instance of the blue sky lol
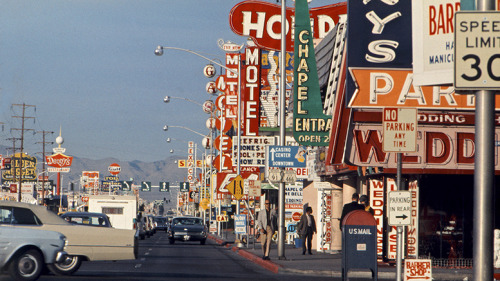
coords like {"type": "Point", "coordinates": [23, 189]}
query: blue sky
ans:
{"type": "Point", "coordinates": [89, 67]}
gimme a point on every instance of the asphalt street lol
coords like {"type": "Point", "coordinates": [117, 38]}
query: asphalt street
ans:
{"type": "Point", "coordinates": [158, 260]}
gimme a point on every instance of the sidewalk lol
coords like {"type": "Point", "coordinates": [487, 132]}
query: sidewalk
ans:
{"type": "Point", "coordinates": [324, 264]}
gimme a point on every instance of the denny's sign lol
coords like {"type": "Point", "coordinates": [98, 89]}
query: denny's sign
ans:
{"type": "Point", "coordinates": [59, 162]}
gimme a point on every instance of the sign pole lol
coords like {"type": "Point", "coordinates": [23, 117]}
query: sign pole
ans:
{"type": "Point", "coordinates": [484, 179]}
{"type": "Point", "coordinates": [281, 196]}
{"type": "Point", "coordinates": [399, 238]}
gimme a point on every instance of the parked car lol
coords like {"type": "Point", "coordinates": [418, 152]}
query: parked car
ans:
{"type": "Point", "coordinates": [87, 218]}
{"type": "Point", "coordinates": [84, 243]}
{"type": "Point", "coordinates": [161, 223]}
{"type": "Point", "coordinates": [187, 229]}
{"type": "Point", "coordinates": [141, 226]}
{"type": "Point", "coordinates": [153, 223]}
{"type": "Point", "coordinates": [24, 251]}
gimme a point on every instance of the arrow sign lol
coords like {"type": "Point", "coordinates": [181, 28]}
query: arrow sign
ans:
{"type": "Point", "coordinates": [402, 217]}
{"type": "Point", "coordinates": [399, 208]}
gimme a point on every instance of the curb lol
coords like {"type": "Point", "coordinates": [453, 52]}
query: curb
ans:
{"type": "Point", "coordinates": [277, 268]}
{"type": "Point", "coordinates": [269, 265]}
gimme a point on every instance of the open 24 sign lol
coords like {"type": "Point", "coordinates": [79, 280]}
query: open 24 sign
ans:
{"type": "Point", "coordinates": [477, 61]}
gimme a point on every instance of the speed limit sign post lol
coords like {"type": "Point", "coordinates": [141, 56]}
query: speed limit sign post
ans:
{"type": "Point", "coordinates": [477, 59]}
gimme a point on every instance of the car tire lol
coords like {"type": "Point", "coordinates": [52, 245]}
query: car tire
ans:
{"type": "Point", "coordinates": [171, 241]}
{"type": "Point", "coordinates": [26, 265]}
{"type": "Point", "coordinates": [202, 242]}
{"type": "Point", "coordinates": [67, 267]}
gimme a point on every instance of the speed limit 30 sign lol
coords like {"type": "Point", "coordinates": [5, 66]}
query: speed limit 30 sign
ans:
{"type": "Point", "coordinates": [477, 56]}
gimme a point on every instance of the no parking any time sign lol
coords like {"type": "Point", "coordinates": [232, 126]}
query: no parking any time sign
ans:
{"type": "Point", "coordinates": [400, 129]}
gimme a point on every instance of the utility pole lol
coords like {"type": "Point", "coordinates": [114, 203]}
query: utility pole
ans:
{"type": "Point", "coordinates": [43, 142]}
{"type": "Point", "coordinates": [23, 117]}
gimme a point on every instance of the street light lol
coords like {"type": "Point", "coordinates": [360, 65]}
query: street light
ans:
{"type": "Point", "coordinates": [165, 128]}
{"type": "Point", "coordinates": [159, 52]}
{"type": "Point", "coordinates": [166, 99]}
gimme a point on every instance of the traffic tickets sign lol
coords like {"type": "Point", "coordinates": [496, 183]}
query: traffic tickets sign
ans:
{"type": "Point", "coordinates": [399, 208]}
{"type": "Point", "coordinates": [399, 129]}
{"type": "Point", "coordinates": [477, 60]}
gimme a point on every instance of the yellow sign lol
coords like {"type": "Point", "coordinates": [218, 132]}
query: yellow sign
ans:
{"type": "Point", "coordinates": [235, 187]}
{"type": "Point", "coordinates": [222, 218]}
{"type": "Point", "coordinates": [204, 203]}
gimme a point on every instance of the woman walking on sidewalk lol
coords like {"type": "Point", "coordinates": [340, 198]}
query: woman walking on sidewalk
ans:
{"type": "Point", "coordinates": [306, 229]}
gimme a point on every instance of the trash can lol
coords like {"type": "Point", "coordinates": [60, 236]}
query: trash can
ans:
{"type": "Point", "coordinates": [298, 242]}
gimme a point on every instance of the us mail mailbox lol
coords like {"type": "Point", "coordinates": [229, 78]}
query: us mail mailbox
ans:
{"type": "Point", "coordinates": [359, 243]}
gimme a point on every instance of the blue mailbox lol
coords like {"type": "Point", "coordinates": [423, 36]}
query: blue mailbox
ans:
{"type": "Point", "coordinates": [359, 243]}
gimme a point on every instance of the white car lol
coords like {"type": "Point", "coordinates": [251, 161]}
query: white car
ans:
{"type": "Point", "coordinates": [24, 251]}
{"type": "Point", "coordinates": [84, 243]}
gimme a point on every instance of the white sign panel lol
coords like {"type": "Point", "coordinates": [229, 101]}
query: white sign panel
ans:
{"type": "Point", "coordinates": [399, 208]}
{"type": "Point", "coordinates": [433, 44]}
{"type": "Point", "coordinates": [400, 129]}
{"type": "Point", "coordinates": [252, 150]}
{"type": "Point", "coordinates": [477, 64]}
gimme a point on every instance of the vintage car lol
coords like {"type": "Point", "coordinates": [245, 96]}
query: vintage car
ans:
{"type": "Point", "coordinates": [161, 223]}
{"type": "Point", "coordinates": [87, 218]}
{"type": "Point", "coordinates": [24, 251]}
{"type": "Point", "coordinates": [84, 243]}
{"type": "Point", "coordinates": [187, 229]}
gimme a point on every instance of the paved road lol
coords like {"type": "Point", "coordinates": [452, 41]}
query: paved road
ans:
{"type": "Point", "coordinates": [158, 260]}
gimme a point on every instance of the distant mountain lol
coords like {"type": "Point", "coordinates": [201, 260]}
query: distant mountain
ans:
{"type": "Point", "coordinates": [165, 170]}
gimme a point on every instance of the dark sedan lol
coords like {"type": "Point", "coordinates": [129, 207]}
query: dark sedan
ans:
{"type": "Point", "coordinates": [161, 223]}
{"type": "Point", "coordinates": [187, 229]}
{"type": "Point", "coordinates": [87, 218]}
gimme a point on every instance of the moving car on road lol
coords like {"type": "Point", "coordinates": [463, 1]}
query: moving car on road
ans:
{"type": "Point", "coordinates": [24, 251]}
{"type": "Point", "coordinates": [84, 243]}
{"type": "Point", "coordinates": [87, 218]}
{"type": "Point", "coordinates": [161, 223]}
{"type": "Point", "coordinates": [187, 229]}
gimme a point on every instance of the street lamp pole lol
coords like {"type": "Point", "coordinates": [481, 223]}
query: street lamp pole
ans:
{"type": "Point", "coordinates": [167, 100]}
{"type": "Point", "coordinates": [159, 52]}
{"type": "Point", "coordinates": [281, 195]}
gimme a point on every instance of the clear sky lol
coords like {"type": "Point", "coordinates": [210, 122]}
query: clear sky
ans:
{"type": "Point", "coordinates": [89, 67]}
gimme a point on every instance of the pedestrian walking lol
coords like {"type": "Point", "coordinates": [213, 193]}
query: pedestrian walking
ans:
{"type": "Point", "coordinates": [267, 223]}
{"type": "Point", "coordinates": [349, 207]}
{"type": "Point", "coordinates": [306, 229]}
{"type": "Point", "coordinates": [363, 200]}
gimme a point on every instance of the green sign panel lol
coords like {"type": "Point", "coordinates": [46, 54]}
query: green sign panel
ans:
{"type": "Point", "coordinates": [146, 186]}
{"type": "Point", "coordinates": [164, 186]}
{"type": "Point", "coordinates": [184, 186]}
{"type": "Point", "coordinates": [126, 185]}
{"type": "Point", "coordinates": [310, 126]}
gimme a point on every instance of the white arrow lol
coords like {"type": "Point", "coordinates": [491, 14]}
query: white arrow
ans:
{"type": "Point", "coordinates": [272, 153]}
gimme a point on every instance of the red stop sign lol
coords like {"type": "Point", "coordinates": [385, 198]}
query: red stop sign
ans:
{"type": "Point", "coordinates": [296, 216]}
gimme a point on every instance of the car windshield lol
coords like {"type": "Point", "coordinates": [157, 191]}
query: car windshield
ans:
{"type": "Point", "coordinates": [187, 221]}
{"type": "Point", "coordinates": [86, 220]}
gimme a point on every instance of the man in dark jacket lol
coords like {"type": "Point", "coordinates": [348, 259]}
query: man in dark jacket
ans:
{"type": "Point", "coordinates": [349, 207]}
{"type": "Point", "coordinates": [307, 227]}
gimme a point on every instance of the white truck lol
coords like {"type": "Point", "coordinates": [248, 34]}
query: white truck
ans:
{"type": "Point", "coordinates": [121, 209]}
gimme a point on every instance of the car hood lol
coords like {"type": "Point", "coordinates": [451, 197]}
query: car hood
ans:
{"type": "Point", "coordinates": [188, 228]}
